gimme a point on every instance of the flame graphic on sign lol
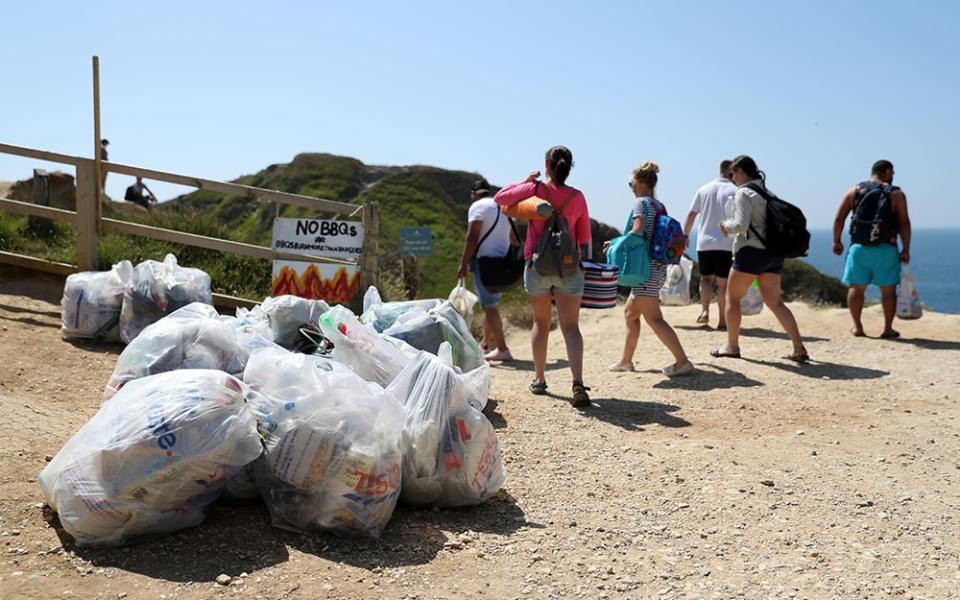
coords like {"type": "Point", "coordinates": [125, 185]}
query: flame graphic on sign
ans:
{"type": "Point", "coordinates": [340, 289]}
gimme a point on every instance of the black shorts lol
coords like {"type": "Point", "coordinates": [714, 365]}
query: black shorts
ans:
{"type": "Point", "coordinates": [715, 262]}
{"type": "Point", "coordinates": [757, 261]}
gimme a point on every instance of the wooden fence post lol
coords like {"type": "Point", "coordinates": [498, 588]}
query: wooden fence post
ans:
{"type": "Point", "coordinates": [88, 192]}
{"type": "Point", "coordinates": [369, 256]}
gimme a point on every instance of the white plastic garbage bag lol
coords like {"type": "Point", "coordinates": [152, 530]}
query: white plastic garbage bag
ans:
{"type": "Point", "coordinates": [361, 348]}
{"type": "Point", "coordinates": [155, 289]}
{"type": "Point", "coordinates": [153, 458]}
{"type": "Point", "coordinates": [286, 315]}
{"type": "Point", "coordinates": [752, 302]}
{"type": "Point", "coordinates": [462, 299]}
{"type": "Point", "coordinates": [451, 452]}
{"type": "Point", "coordinates": [333, 457]}
{"type": "Point", "coordinates": [90, 308]}
{"type": "Point", "coordinates": [908, 301]}
{"type": "Point", "coordinates": [676, 288]}
{"type": "Point", "coordinates": [381, 315]}
{"type": "Point", "coordinates": [193, 337]}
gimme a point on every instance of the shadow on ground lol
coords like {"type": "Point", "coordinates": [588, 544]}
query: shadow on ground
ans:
{"type": "Point", "coordinates": [708, 377]}
{"type": "Point", "coordinates": [493, 415]}
{"type": "Point", "coordinates": [759, 332]}
{"type": "Point", "coordinates": [632, 415]}
{"type": "Point", "coordinates": [822, 370]}
{"type": "Point", "coordinates": [527, 365]}
{"type": "Point", "coordinates": [928, 344]}
{"type": "Point", "coordinates": [239, 538]}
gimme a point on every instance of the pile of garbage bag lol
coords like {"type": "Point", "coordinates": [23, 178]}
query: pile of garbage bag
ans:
{"type": "Point", "coordinates": [330, 434]}
{"type": "Point", "coordinates": [152, 458]}
{"type": "Point", "coordinates": [332, 460]}
{"type": "Point", "coordinates": [155, 289]}
{"type": "Point", "coordinates": [90, 308]}
{"type": "Point", "coordinates": [451, 456]}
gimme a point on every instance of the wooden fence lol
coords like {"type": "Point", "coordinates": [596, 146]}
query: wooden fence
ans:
{"type": "Point", "coordinates": [89, 222]}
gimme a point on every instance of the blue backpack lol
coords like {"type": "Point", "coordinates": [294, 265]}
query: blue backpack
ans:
{"type": "Point", "coordinates": [668, 242]}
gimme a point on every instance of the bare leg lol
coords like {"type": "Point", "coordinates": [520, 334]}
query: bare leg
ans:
{"type": "Point", "coordinates": [568, 313]}
{"type": "Point", "coordinates": [631, 315]}
{"type": "Point", "coordinates": [650, 309]}
{"type": "Point", "coordinates": [722, 301]}
{"type": "Point", "coordinates": [855, 303]}
{"type": "Point", "coordinates": [706, 294]}
{"type": "Point", "coordinates": [737, 285]}
{"type": "Point", "coordinates": [493, 325]}
{"type": "Point", "coordinates": [770, 290]}
{"type": "Point", "coordinates": [540, 334]}
{"type": "Point", "coordinates": [888, 297]}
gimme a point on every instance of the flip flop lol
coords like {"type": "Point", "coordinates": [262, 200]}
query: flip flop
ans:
{"type": "Point", "coordinates": [538, 388]}
{"type": "Point", "coordinates": [718, 354]}
{"type": "Point", "coordinates": [858, 333]}
{"type": "Point", "coordinates": [703, 319]}
{"type": "Point", "coordinates": [798, 358]}
{"type": "Point", "coordinates": [890, 336]}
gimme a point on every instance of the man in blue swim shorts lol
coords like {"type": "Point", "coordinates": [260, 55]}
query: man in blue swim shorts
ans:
{"type": "Point", "coordinates": [879, 215]}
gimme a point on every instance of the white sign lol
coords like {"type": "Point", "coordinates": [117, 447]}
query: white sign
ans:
{"type": "Point", "coordinates": [337, 284]}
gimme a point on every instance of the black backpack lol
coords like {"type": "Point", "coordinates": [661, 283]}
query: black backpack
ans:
{"type": "Point", "coordinates": [787, 233]}
{"type": "Point", "coordinates": [873, 221]}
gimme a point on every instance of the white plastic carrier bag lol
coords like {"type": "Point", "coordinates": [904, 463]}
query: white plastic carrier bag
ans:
{"type": "Point", "coordinates": [333, 459]}
{"type": "Point", "coordinates": [908, 301]}
{"type": "Point", "coordinates": [676, 288]}
{"type": "Point", "coordinates": [463, 299]}
{"type": "Point", "coordinates": [752, 302]}
{"type": "Point", "coordinates": [153, 458]}
{"type": "Point", "coordinates": [90, 307]}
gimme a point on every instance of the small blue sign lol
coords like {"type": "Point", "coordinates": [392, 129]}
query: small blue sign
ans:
{"type": "Point", "coordinates": [416, 241]}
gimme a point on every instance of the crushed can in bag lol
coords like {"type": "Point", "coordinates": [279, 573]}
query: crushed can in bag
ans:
{"type": "Point", "coordinates": [153, 458]}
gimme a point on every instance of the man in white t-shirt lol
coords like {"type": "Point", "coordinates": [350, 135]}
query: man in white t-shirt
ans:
{"type": "Point", "coordinates": [488, 234]}
{"type": "Point", "coordinates": [714, 249]}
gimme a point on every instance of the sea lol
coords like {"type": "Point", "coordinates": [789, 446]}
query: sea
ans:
{"type": "Point", "coordinates": [934, 260]}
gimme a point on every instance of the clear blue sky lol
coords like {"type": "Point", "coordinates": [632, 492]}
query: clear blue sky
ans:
{"type": "Point", "coordinates": [815, 91]}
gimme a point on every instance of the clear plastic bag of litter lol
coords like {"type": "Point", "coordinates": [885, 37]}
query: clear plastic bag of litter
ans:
{"type": "Point", "coordinates": [90, 308]}
{"type": "Point", "coordinates": [156, 289]}
{"type": "Point", "coordinates": [153, 458]}
{"type": "Point", "coordinates": [333, 459]}
{"type": "Point", "coordinates": [752, 302]}
{"type": "Point", "coordinates": [381, 315]}
{"type": "Point", "coordinates": [361, 348]}
{"type": "Point", "coordinates": [286, 316]}
{"type": "Point", "coordinates": [193, 337]}
{"type": "Point", "coordinates": [451, 452]}
{"type": "Point", "coordinates": [676, 287]}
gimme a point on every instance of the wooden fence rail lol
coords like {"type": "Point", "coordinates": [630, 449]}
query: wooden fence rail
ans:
{"type": "Point", "coordinates": [89, 223]}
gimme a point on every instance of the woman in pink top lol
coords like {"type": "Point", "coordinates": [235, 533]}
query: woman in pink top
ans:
{"type": "Point", "coordinates": [541, 289]}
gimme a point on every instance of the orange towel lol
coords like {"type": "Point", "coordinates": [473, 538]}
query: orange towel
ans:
{"type": "Point", "coordinates": [531, 209]}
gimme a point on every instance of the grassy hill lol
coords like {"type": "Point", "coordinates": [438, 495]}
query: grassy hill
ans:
{"type": "Point", "coordinates": [408, 196]}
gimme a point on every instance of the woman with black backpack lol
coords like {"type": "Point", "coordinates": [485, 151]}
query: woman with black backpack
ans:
{"type": "Point", "coordinates": [752, 260]}
{"type": "Point", "coordinates": [553, 249]}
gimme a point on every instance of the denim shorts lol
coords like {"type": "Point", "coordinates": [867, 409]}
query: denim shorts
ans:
{"type": "Point", "coordinates": [757, 261]}
{"type": "Point", "coordinates": [537, 285]}
{"type": "Point", "coordinates": [487, 298]}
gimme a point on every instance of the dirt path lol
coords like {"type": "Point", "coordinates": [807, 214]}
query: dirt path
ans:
{"type": "Point", "coordinates": [756, 478]}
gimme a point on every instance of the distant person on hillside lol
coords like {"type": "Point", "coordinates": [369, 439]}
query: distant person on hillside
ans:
{"type": "Point", "coordinates": [879, 215]}
{"type": "Point", "coordinates": [752, 261]}
{"type": "Point", "coordinates": [103, 172]}
{"type": "Point", "coordinates": [644, 299]}
{"type": "Point", "coordinates": [544, 286]}
{"type": "Point", "coordinates": [714, 250]}
{"type": "Point", "coordinates": [489, 233]}
{"type": "Point", "coordinates": [139, 193]}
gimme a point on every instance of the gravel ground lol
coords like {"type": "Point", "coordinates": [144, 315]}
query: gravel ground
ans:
{"type": "Point", "coordinates": [754, 478]}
